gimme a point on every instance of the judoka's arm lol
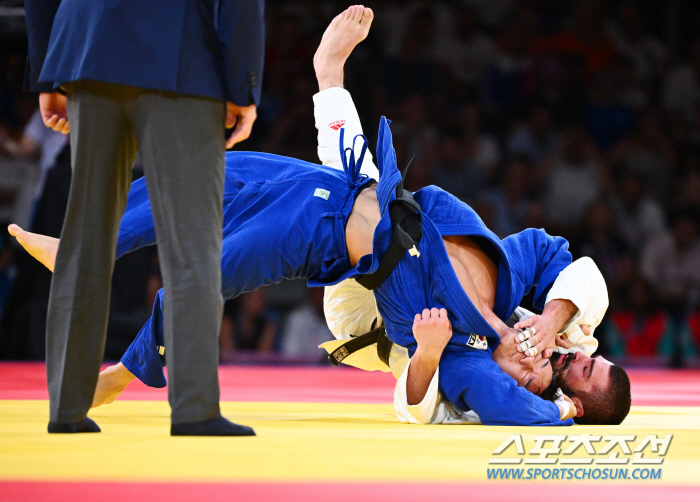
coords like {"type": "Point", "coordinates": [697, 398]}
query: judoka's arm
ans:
{"type": "Point", "coordinates": [417, 399]}
{"type": "Point", "coordinates": [472, 380]}
{"type": "Point", "coordinates": [536, 260]}
{"type": "Point", "coordinates": [582, 285]}
{"type": "Point", "coordinates": [432, 330]}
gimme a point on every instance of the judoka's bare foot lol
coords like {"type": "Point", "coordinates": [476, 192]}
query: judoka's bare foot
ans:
{"type": "Point", "coordinates": [110, 384]}
{"type": "Point", "coordinates": [347, 29]}
{"type": "Point", "coordinates": [41, 247]}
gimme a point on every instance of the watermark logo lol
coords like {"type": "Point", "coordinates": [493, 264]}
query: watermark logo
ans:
{"type": "Point", "coordinates": [614, 449]}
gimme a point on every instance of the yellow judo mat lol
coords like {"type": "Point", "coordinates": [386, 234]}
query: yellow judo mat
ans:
{"type": "Point", "coordinates": [341, 443]}
{"type": "Point", "coordinates": [306, 442]}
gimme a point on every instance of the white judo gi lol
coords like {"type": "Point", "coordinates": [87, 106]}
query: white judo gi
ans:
{"type": "Point", "coordinates": [351, 309]}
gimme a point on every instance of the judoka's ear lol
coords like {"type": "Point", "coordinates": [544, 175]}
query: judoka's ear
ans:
{"type": "Point", "coordinates": [579, 406]}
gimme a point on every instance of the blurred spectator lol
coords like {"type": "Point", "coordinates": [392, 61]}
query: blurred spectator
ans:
{"type": "Point", "coordinates": [682, 88]}
{"type": "Point", "coordinates": [480, 148]}
{"type": "Point", "coordinates": [249, 325]}
{"type": "Point", "coordinates": [537, 138]}
{"type": "Point", "coordinates": [573, 178]}
{"type": "Point", "coordinates": [649, 154]}
{"type": "Point", "coordinates": [631, 94]}
{"type": "Point", "coordinates": [305, 329]}
{"type": "Point", "coordinates": [536, 215]}
{"type": "Point", "coordinates": [469, 52]}
{"type": "Point", "coordinates": [638, 216]}
{"type": "Point", "coordinates": [510, 201]}
{"type": "Point", "coordinates": [467, 158]}
{"type": "Point", "coordinates": [689, 191]}
{"type": "Point", "coordinates": [413, 127]}
{"type": "Point", "coordinates": [511, 82]}
{"type": "Point", "coordinates": [641, 328]}
{"type": "Point", "coordinates": [600, 241]}
{"type": "Point", "coordinates": [584, 37]}
{"type": "Point", "coordinates": [412, 72]}
{"type": "Point", "coordinates": [37, 141]}
{"type": "Point", "coordinates": [646, 53]}
{"type": "Point", "coordinates": [492, 13]}
{"type": "Point", "coordinates": [451, 170]}
{"type": "Point", "coordinates": [608, 117]}
{"type": "Point", "coordinates": [671, 261]}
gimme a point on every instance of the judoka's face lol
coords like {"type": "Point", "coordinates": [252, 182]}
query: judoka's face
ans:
{"type": "Point", "coordinates": [533, 373]}
{"type": "Point", "coordinates": [579, 374]}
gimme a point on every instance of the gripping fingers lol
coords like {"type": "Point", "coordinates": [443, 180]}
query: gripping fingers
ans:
{"type": "Point", "coordinates": [526, 333]}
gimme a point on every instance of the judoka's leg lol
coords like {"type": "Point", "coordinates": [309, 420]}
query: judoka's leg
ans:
{"type": "Point", "coordinates": [111, 383]}
{"type": "Point", "coordinates": [41, 247]}
{"type": "Point", "coordinates": [333, 105]}
{"type": "Point", "coordinates": [144, 359]}
{"type": "Point", "coordinates": [136, 229]}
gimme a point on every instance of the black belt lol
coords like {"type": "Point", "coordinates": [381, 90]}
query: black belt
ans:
{"type": "Point", "coordinates": [406, 218]}
{"type": "Point", "coordinates": [377, 336]}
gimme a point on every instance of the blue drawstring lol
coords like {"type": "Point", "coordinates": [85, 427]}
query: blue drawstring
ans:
{"type": "Point", "coordinates": [352, 172]}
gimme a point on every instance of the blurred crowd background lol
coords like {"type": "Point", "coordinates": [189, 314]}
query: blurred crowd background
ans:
{"type": "Point", "coordinates": [580, 117]}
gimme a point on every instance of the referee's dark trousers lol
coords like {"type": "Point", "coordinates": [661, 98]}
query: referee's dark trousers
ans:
{"type": "Point", "coordinates": [149, 76]}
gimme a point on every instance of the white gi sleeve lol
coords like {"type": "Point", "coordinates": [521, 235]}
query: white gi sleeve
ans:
{"type": "Point", "coordinates": [333, 110]}
{"type": "Point", "coordinates": [583, 284]}
{"type": "Point", "coordinates": [432, 409]}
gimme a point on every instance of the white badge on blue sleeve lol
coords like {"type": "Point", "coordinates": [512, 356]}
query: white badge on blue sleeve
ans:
{"type": "Point", "coordinates": [477, 342]}
{"type": "Point", "coordinates": [322, 192]}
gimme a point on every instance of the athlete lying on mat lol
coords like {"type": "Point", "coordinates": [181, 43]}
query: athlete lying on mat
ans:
{"type": "Point", "coordinates": [598, 389]}
{"type": "Point", "coordinates": [285, 218]}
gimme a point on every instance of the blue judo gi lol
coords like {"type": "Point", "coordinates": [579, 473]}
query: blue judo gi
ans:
{"type": "Point", "coordinates": [285, 218]}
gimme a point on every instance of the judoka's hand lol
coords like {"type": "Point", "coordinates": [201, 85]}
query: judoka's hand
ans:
{"type": "Point", "coordinates": [571, 412]}
{"type": "Point", "coordinates": [563, 341]}
{"type": "Point", "coordinates": [542, 341]}
{"type": "Point", "coordinates": [53, 111]}
{"type": "Point", "coordinates": [432, 330]}
{"type": "Point", "coordinates": [243, 118]}
{"type": "Point", "coordinates": [540, 335]}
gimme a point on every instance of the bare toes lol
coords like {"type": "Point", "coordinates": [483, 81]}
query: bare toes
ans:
{"type": "Point", "coordinates": [359, 10]}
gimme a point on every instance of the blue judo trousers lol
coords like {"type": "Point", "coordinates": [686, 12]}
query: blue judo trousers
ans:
{"type": "Point", "coordinates": [285, 218]}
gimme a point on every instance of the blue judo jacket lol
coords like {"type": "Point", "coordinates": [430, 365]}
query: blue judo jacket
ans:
{"type": "Point", "coordinates": [469, 378]}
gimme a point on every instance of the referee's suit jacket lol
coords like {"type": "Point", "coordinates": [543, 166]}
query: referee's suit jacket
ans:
{"type": "Point", "coordinates": [190, 47]}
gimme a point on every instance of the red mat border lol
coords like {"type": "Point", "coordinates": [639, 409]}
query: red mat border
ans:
{"type": "Point", "coordinates": [342, 492]}
{"type": "Point", "coordinates": [650, 387]}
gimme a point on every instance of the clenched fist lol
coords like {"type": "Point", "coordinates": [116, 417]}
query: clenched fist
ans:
{"type": "Point", "coordinates": [432, 331]}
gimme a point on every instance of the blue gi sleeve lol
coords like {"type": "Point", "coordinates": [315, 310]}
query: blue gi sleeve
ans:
{"type": "Point", "coordinates": [241, 30]}
{"type": "Point", "coordinates": [536, 259]}
{"type": "Point", "coordinates": [143, 358]}
{"type": "Point", "coordinates": [136, 228]}
{"type": "Point", "coordinates": [39, 16]}
{"type": "Point", "coordinates": [471, 380]}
